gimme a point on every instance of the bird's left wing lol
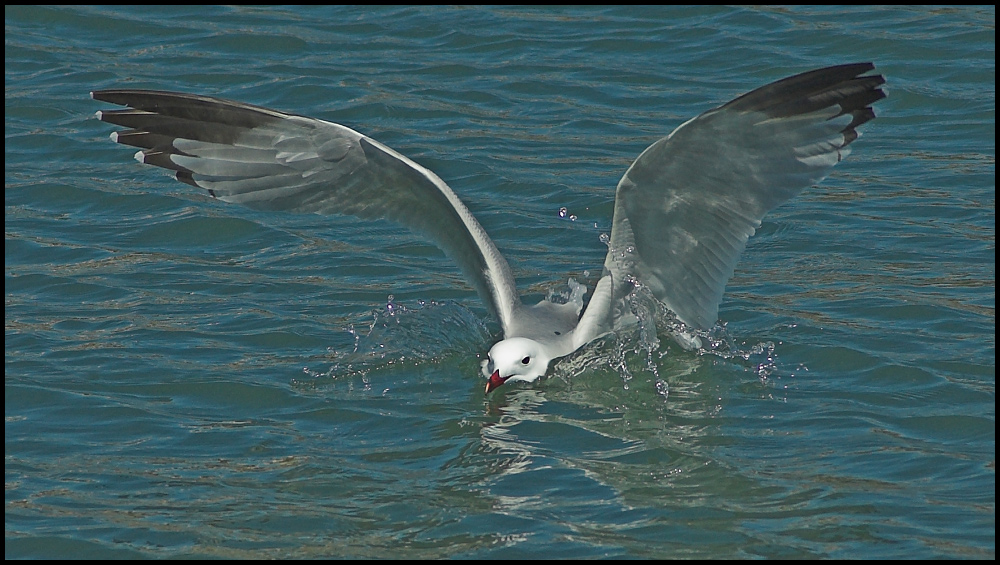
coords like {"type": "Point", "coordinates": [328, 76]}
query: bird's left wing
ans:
{"type": "Point", "coordinates": [686, 207]}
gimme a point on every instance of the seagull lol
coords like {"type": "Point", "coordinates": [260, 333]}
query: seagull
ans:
{"type": "Point", "coordinates": [683, 211]}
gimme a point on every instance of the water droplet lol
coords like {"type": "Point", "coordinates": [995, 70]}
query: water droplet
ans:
{"type": "Point", "coordinates": [662, 388]}
{"type": "Point", "coordinates": [572, 217]}
{"type": "Point", "coordinates": [562, 212]}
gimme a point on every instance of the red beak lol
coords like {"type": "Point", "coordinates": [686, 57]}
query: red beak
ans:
{"type": "Point", "coordinates": [495, 381]}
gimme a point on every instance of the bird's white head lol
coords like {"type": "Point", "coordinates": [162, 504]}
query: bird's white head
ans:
{"type": "Point", "coordinates": [515, 359]}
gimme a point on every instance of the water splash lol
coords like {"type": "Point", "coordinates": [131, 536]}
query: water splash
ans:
{"type": "Point", "coordinates": [641, 345]}
{"type": "Point", "coordinates": [401, 334]}
{"type": "Point", "coordinates": [405, 334]}
{"type": "Point", "coordinates": [638, 348]}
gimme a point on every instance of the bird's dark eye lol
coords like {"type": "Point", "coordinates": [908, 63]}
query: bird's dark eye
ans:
{"type": "Point", "coordinates": [526, 360]}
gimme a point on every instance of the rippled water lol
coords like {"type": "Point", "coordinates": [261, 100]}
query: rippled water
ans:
{"type": "Point", "coordinates": [185, 378]}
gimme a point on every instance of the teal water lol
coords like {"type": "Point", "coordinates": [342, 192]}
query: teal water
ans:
{"type": "Point", "coordinates": [185, 378]}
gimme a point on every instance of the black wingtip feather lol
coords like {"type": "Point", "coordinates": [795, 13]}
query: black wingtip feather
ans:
{"type": "Point", "coordinates": [161, 158]}
{"type": "Point", "coordinates": [812, 90]}
{"type": "Point", "coordinates": [142, 139]}
{"type": "Point", "coordinates": [187, 177]}
{"type": "Point", "coordinates": [842, 85]}
{"type": "Point", "coordinates": [799, 87]}
{"type": "Point", "coordinates": [191, 107]}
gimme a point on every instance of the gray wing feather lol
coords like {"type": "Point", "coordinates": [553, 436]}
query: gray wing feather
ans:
{"type": "Point", "coordinates": [271, 160]}
{"type": "Point", "coordinates": [686, 207]}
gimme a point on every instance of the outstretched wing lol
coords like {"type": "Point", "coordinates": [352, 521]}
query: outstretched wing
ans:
{"type": "Point", "coordinates": [276, 161]}
{"type": "Point", "coordinates": [686, 207]}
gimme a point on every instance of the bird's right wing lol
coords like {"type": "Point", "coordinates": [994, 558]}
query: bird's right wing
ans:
{"type": "Point", "coordinates": [272, 160]}
{"type": "Point", "coordinates": [686, 207]}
